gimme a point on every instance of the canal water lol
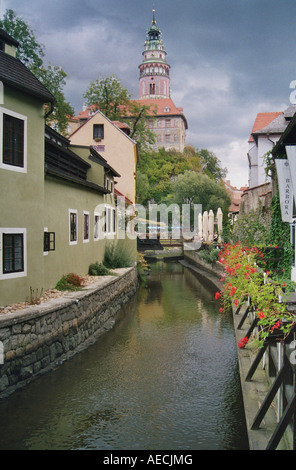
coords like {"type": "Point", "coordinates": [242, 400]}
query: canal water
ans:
{"type": "Point", "coordinates": [164, 378]}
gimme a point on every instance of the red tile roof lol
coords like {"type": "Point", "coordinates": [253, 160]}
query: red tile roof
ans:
{"type": "Point", "coordinates": [262, 120]}
{"type": "Point", "coordinates": [159, 104]}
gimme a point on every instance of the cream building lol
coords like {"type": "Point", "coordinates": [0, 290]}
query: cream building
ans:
{"type": "Point", "coordinates": [112, 144]}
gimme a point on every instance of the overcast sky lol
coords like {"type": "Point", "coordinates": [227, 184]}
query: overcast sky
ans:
{"type": "Point", "coordinates": [230, 59]}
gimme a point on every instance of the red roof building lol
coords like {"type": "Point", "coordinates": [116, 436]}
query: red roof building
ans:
{"type": "Point", "coordinates": [169, 123]}
{"type": "Point", "coordinates": [266, 131]}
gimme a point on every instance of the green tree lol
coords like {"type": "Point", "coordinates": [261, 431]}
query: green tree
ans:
{"type": "Point", "coordinates": [143, 188]}
{"type": "Point", "coordinates": [211, 165]}
{"type": "Point", "coordinates": [31, 53]}
{"type": "Point", "coordinates": [53, 77]}
{"type": "Point", "coordinates": [138, 116]}
{"type": "Point", "coordinates": [197, 188]}
{"type": "Point", "coordinates": [108, 95]}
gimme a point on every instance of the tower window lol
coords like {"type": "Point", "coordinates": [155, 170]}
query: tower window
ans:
{"type": "Point", "coordinates": [152, 88]}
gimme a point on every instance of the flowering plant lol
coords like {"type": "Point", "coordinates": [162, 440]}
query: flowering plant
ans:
{"type": "Point", "coordinates": [243, 279]}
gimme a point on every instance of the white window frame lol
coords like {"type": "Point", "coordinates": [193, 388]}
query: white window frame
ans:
{"type": "Point", "coordinates": [16, 231]}
{"type": "Point", "coordinates": [73, 211]}
{"type": "Point", "coordinates": [97, 214]}
{"type": "Point", "coordinates": [86, 240]}
{"type": "Point", "coordinates": [109, 220]}
{"type": "Point", "coordinates": [6, 166]}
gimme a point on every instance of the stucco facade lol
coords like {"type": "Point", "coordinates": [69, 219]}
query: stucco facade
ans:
{"type": "Point", "coordinates": [115, 146]}
{"type": "Point", "coordinates": [57, 201]}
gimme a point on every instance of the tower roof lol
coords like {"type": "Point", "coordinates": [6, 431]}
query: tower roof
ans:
{"type": "Point", "coordinates": [153, 38]}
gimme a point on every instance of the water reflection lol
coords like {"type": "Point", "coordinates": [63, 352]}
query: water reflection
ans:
{"type": "Point", "coordinates": [165, 377]}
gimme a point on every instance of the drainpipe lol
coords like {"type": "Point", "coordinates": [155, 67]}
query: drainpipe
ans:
{"type": "Point", "coordinates": [50, 110]}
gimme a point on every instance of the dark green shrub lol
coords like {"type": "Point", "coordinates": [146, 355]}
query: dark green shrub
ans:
{"type": "Point", "coordinates": [117, 257]}
{"type": "Point", "coordinates": [97, 269]}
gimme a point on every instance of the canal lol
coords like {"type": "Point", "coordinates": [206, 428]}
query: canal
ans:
{"type": "Point", "coordinates": [165, 377]}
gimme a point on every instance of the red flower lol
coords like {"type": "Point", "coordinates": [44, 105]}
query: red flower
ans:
{"type": "Point", "coordinates": [261, 315]}
{"type": "Point", "coordinates": [232, 291]}
{"type": "Point", "coordinates": [276, 325]}
{"type": "Point", "coordinates": [217, 295]}
{"type": "Point", "coordinates": [221, 309]}
{"type": "Point", "coordinates": [236, 302]}
{"type": "Point", "coordinates": [242, 342]}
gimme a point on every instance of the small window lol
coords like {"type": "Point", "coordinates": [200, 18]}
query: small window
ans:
{"type": "Point", "coordinates": [114, 220]}
{"type": "Point", "coordinates": [109, 219]}
{"type": "Point", "coordinates": [152, 88]}
{"type": "Point", "coordinates": [98, 131]}
{"type": "Point", "coordinates": [86, 226]}
{"type": "Point", "coordinates": [73, 227]}
{"type": "Point", "coordinates": [49, 241]}
{"type": "Point", "coordinates": [96, 227]}
{"type": "Point", "coordinates": [13, 141]}
{"type": "Point", "coordinates": [12, 253]}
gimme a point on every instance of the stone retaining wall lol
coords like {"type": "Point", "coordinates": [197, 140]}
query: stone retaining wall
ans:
{"type": "Point", "coordinates": [193, 257]}
{"type": "Point", "coordinates": [37, 339]}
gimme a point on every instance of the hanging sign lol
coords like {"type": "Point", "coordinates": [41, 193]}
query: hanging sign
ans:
{"type": "Point", "coordinates": [291, 155]}
{"type": "Point", "coordinates": [285, 189]}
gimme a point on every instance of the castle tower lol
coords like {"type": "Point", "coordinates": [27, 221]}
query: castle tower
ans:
{"type": "Point", "coordinates": [154, 81]}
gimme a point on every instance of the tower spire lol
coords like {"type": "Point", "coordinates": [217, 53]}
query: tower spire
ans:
{"type": "Point", "coordinates": [154, 70]}
{"type": "Point", "coordinates": [153, 18]}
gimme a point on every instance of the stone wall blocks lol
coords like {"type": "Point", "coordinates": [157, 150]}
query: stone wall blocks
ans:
{"type": "Point", "coordinates": [35, 341]}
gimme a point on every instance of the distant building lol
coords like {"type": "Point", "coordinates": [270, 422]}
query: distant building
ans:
{"type": "Point", "coordinates": [236, 199]}
{"type": "Point", "coordinates": [267, 129]}
{"type": "Point", "coordinates": [110, 139]}
{"type": "Point", "coordinates": [169, 123]}
{"type": "Point", "coordinates": [266, 132]}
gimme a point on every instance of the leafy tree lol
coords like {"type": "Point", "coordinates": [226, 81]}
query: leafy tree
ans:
{"type": "Point", "coordinates": [197, 188]}
{"type": "Point", "coordinates": [108, 95]}
{"type": "Point", "coordinates": [211, 165]}
{"type": "Point", "coordinates": [31, 53]}
{"type": "Point", "coordinates": [143, 188]}
{"type": "Point", "coordinates": [137, 115]}
{"type": "Point", "coordinates": [53, 77]}
{"type": "Point", "coordinates": [162, 169]}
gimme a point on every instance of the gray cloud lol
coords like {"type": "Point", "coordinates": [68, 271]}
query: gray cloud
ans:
{"type": "Point", "coordinates": [229, 59]}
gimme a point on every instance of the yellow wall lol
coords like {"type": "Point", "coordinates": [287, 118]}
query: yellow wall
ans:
{"type": "Point", "coordinates": [120, 151]}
